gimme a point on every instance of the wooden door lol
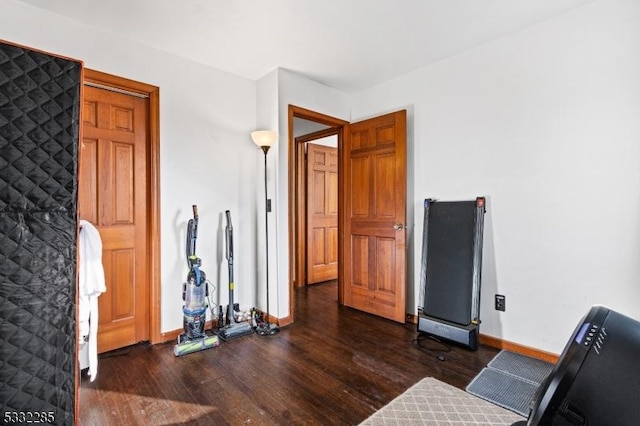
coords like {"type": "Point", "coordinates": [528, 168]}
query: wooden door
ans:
{"type": "Point", "coordinates": [374, 236]}
{"type": "Point", "coordinates": [113, 194]}
{"type": "Point", "coordinates": [322, 213]}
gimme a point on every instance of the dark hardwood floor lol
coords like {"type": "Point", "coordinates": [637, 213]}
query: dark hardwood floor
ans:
{"type": "Point", "coordinates": [334, 365]}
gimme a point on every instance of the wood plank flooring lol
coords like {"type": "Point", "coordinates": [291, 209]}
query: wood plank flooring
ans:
{"type": "Point", "coordinates": [334, 365]}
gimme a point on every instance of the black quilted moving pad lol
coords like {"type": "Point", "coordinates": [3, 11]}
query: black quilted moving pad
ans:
{"type": "Point", "coordinates": [39, 122]}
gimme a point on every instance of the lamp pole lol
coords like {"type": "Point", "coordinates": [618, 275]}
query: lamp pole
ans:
{"type": "Point", "coordinates": [264, 139]}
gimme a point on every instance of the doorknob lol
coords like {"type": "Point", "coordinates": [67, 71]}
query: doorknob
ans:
{"type": "Point", "coordinates": [398, 227]}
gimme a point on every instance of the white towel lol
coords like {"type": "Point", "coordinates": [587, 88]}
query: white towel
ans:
{"type": "Point", "coordinates": [92, 284]}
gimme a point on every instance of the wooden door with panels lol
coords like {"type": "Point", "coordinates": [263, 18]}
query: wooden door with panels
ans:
{"type": "Point", "coordinates": [322, 213]}
{"type": "Point", "coordinates": [113, 195]}
{"type": "Point", "coordinates": [373, 225]}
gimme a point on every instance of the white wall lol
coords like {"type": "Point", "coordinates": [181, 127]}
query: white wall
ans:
{"type": "Point", "coordinates": [546, 124]}
{"type": "Point", "coordinates": [206, 117]}
{"type": "Point", "coordinates": [330, 141]}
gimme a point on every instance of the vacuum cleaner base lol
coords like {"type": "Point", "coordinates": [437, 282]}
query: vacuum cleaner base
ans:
{"type": "Point", "coordinates": [267, 329]}
{"type": "Point", "coordinates": [185, 347]}
{"type": "Point", "coordinates": [235, 330]}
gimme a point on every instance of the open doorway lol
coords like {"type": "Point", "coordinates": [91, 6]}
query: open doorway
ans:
{"type": "Point", "coordinates": [306, 126]}
{"type": "Point", "coordinates": [371, 211]}
{"type": "Point", "coordinates": [320, 189]}
{"type": "Point", "coordinates": [317, 196]}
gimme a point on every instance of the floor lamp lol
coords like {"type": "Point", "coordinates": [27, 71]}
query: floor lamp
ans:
{"type": "Point", "coordinates": [265, 139]}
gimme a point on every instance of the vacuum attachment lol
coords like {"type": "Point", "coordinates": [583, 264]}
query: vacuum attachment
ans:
{"type": "Point", "coordinates": [267, 329]}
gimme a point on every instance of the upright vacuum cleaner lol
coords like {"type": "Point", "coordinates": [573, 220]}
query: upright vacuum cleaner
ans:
{"type": "Point", "coordinates": [195, 291]}
{"type": "Point", "coordinates": [234, 328]}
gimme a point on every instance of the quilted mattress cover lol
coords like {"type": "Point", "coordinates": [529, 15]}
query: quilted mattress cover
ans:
{"type": "Point", "coordinates": [39, 130]}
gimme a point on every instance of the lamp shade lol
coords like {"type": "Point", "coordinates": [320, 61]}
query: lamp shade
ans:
{"type": "Point", "coordinates": [264, 137]}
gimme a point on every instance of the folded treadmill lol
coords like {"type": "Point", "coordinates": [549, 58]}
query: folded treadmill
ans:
{"type": "Point", "coordinates": [450, 272]}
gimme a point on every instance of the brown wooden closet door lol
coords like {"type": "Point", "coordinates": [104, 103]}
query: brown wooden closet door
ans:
{"type": "Point", "coordinates": [113, 194]}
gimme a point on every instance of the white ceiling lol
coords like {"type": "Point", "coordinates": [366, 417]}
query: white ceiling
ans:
{"type": "Point", "coordinates": [346, 44]}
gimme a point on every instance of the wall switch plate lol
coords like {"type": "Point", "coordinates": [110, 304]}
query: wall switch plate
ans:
{"type": "Point", "coordinates": [501, 302]}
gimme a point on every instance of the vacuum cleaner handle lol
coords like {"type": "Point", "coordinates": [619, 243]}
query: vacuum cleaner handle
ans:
{"type": "Point", "coordinates": [228, 213]}
{"type": "Point", "coordinates": [229, 237]}
{"type": "Point", "coordinates": [195, 225]}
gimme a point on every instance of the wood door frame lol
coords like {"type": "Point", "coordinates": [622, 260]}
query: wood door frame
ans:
{"type": "Point", "coordinates": [121, 84]}
{"type": "Point", "coordinates": [296, 202]}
